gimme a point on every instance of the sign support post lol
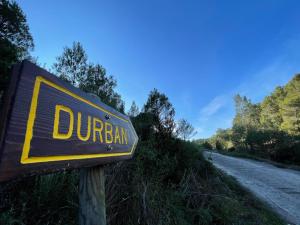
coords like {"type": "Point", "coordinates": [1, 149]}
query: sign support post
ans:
{"type": "Point", "coordinates": [92, 196]}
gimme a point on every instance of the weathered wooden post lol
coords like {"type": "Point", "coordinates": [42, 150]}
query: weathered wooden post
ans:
{"type": "Point", "coordinates": [92, 196]}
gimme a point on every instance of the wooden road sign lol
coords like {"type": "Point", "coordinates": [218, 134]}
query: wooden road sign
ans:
{"type": "Point", "coordinates": [49, 125]}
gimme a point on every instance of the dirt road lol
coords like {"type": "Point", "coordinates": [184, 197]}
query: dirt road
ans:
{"type": "Point", "coordinates": [279, 187]}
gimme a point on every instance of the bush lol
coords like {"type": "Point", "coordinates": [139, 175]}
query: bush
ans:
{"type": "Point", "coordinates": [231, 149]}
{"type": "Point", "coordinates": [47, 199]}
{"type": "Point", "coordinates": [219, 145]}
{"type": "Point", "coordinates": [167, 182]}
{"type": "Point", "coordinates": [207, 145]}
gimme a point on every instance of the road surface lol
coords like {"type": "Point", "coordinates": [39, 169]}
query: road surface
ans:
{"type": "Point", "coordinates": [278, 187]}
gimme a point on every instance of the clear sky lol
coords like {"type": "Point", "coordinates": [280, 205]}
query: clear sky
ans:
{"type": "Point", "coordinates": [199, 53]}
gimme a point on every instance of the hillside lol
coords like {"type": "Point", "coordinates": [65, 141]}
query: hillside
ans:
{"type": "Point", "coordinates": [268, 129]}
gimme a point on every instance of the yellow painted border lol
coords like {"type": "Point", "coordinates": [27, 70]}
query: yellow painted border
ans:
{"type": "Point", "coordinates": [25, 159]}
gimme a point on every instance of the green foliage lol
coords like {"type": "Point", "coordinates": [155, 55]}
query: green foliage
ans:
{"type": "Point", "coordinates": [98, 83]}
{"type": "Point", "coordinates": [268, 129]}
{"type": "Point", "coordinates": [207, 145]}
{"type": "Point", "coordinates": [184, 129]}
{"type": "Point", "coordinates": [134, 110]}
{"type": "Point", "coordinates": [167, 182]}
{"type": "Point", "coordinates": [184, 193]}
{"type": "Point", "coordinates": [221, 140]}
{"type": "Point", "coordinates": [15, 39]}
{"type": "Point", "coordinates": [219, 145]}
{"type": "Point", "coordinates": [73, 66]}
{"type": "Point", "coordinates": [203, 143]}
{"type": "Point", "coordinates": [290, 107]}
{"type": "Point", "coordinates": [14, 28]}
{"type": "Point", "coordinates": [246, 119]}
{"type": "Point", "coordinates": [271, 117]}
{"type": "Point", "coordinates": [163, 112]}
{"type": "Point", "coordinates": [48, 199]}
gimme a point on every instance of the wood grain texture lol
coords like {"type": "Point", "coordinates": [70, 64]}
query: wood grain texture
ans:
{"type": "Point", "coordinates": [92, 209]}
{"type": "Point", "coordinates": [45, 153]}
{"type": "Point", "coordinates": [8, 97]}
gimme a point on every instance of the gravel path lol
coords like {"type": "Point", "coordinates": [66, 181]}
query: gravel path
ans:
{"type": "Point", "coordinates": [280, 188]}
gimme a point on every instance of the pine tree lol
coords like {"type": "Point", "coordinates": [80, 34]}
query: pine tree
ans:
{"type": "Point", "coordinates": [73, 67]}
{"type": "Point", "coordinates": [15, 39]}
{"type": "Point", "coordinates": [291, 107]}
{"type": "Point", "coordinates": [185, 130]}
{"type": "Point", "coordinates": [134, 110]}
{"type": "Point", "coordinates": [271, 117]}
{"type": "Point", "coordinates": [163, 111]}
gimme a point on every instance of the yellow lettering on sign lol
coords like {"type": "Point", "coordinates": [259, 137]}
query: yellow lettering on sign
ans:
{"type": "Point", "coordinates": [56, 134]}
{"type": "Point", "coordinates": [88, 133]}
{"type": "Point", "coordinates": [124, 135]}
{"type": "Point", "coordinates": [108, 132]}
{"type": "Point", "coordinates": [97, 129]}
{"type": "Point", "coordinates": [117, 135]}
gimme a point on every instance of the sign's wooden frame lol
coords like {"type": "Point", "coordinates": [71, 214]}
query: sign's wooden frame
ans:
{"type": "Point", "coordinates": [19, 129]}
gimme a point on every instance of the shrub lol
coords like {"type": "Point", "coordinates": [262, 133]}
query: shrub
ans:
{"type": "Point", "coordinates": [207, 145]}
{"type": "Point", "coordinates": [231, 149]}
{"type": "Point", "coordinates": [219, 145]}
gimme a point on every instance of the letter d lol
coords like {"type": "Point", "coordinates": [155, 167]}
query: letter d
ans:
{"type": "Point", "coordinates": [56, 134]}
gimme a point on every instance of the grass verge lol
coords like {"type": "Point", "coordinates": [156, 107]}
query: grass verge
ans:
{"type": "Point", "coordinates": [174, 187]}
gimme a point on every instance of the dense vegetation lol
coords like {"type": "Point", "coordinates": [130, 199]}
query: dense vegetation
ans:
{"type": "Point", "coordinates": [15, 39]}
{"type": "Point", "coordinates": [167, 182]}
{"type": "Point", "coordinates": [268, 129]}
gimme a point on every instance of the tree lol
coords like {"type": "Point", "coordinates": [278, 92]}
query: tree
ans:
{"type": "Point", "coordinates": [291, 107]}
{"type": "Point", "coordinates": [158, 104]}
{"type": "Point", "coordinates": [247, 113]}
{"type": "Point", "coordinates": [72, 65]}
{"type": "Point", "coordinates": [97, 82]}
{"type": "Point", "coordinates": [219, 145]}
{"type": "Point", "coordinates": [271, 117]}
{"type": "Point", "coordinates": [185, 130]}
{"type": "Point", "coordinates": [207, 145]}
{"type": "Point", "coordinates": [15, 39]}
{"type": "Point", "coordinates": [271, 127]}
{"type": "Point", "coordinates": [224, 134]}
{"type": "Point", "coordinates": [246, 120]}
{"type": "Point", "coordinates": [223, 137]}
{"type": "Point", "coordinates": [134, 110]}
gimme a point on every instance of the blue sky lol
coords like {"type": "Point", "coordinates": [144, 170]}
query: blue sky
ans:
{"type": "Point", "coordinates": [199, 53]}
